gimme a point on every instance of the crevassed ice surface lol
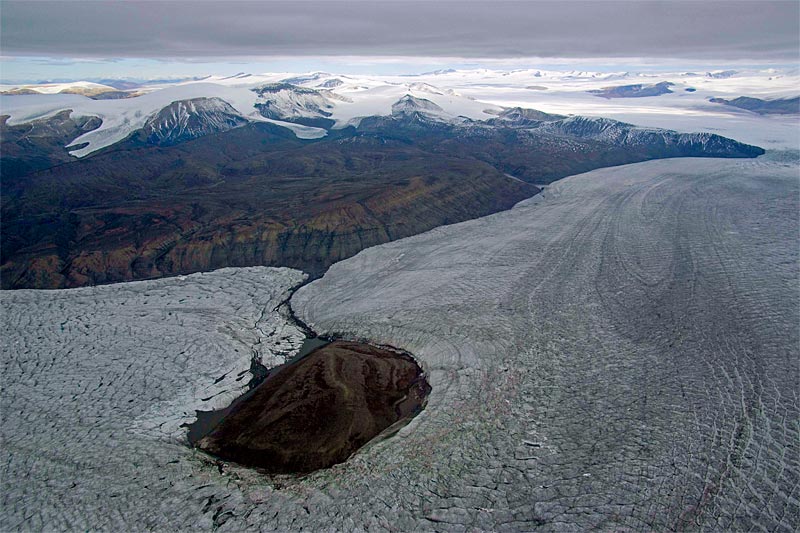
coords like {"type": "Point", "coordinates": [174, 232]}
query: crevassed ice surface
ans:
{"type": "Point", "coordinates": [618, 352]}
{"type": "Point", "coordinates": [97, 382]}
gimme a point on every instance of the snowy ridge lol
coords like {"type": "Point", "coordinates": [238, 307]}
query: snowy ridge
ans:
{"type": "Point", "coordinates": [478, 94]}
{"type": "Point", "coordinates": [410, 104]}
{"type": "Point", "coordinates": [286, 101]}
{"type": "Point", "coordinates": [85, 88]}
{"type": "Point", "coordinates": [122, 117]}
{"type": "Point", "coordinates": [622, 134]}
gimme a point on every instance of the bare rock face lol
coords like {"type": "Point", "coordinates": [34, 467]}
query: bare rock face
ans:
{"type": "Point", "coordinates": [317, 411]}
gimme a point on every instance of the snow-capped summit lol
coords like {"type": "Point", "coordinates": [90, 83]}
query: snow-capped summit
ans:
{"type": "Point", "coordinates": [286, 101]}
{"type": "Point", "coordinates": [189, 119]}
{"type": "Point", "coordinates": [425, 88]}
{"type": "Point", "coordinates": [411, 104]}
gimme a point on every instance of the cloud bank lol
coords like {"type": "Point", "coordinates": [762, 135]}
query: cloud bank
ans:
{"type": "Point", "coordinates": [660, 29]}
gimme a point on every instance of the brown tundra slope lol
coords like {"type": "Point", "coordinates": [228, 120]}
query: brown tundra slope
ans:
{"type": "Point", "coordinates": [252, 196]}
{"type": "Point", "coordinates": [163, 202]}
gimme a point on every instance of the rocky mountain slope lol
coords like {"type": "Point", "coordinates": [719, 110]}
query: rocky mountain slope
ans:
{"type": "Point", "coordinates": [202, 184]}
{"type": "Point", "coordinates": [254, 195]}
{"type": "Point", "coordinates": [40, 143]}
{"type": "Point", "coordinates": [659, 142]}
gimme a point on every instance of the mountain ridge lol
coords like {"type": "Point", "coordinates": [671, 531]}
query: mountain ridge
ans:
{"type": "Point", "coordinates": [202, 184]}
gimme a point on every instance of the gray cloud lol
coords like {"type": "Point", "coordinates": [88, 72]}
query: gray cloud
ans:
{"type": "Point", "coordinates": [759, 30]}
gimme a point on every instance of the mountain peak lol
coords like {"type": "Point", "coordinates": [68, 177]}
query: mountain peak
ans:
{"type": "Point", "coordinates": [286, 101]}
{"type": "Point", "coordinates": [189, 119]}
{"type": "Point", "coordinates": [411, 104]}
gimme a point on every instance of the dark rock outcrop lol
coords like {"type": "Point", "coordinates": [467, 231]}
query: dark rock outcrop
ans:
{"type": "Point", "coordinates": [40, 144]}
{"type": "Point", "coordinates": [316, 412]}
{"type": "Point", "coordinates": [637, 90]}
{"type": "Point", "coordinates": [780, 106]}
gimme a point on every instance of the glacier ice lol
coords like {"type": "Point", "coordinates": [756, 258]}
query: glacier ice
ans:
{"type": "Point", "coordinates": [618, 352]}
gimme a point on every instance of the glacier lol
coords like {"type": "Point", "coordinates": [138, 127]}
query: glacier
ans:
{"type": "Point", "coordinates": [618, 352]}
{"type": "Point", "coordinates": [98, 382]}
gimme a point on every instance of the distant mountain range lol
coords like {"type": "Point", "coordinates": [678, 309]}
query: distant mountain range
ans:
{"type": "Point", "coordinates": [200, 176]}
{"type": "Point", "coordinates": [777, 106]}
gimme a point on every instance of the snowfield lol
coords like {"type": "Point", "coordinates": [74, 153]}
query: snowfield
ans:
{"type": "Point", "coordinates": [619, 352]}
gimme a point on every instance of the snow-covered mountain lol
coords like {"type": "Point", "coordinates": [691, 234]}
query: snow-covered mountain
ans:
{"type": "Point", "coordinates": [627, 135]}
{"type": "Point", "coordinates": [319, 101]}
{"type": "Point", "coordinates": [286, 101]}
{"type": "Point", "coordinates": [442, 156]}
{"type": "Point", "coordinates": [408, 105]}
{"type": "Point", "coordinates": [189, 119]}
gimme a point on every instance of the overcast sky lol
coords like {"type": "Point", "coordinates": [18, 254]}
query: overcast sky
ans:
{"type": "Point", "coordinates": [208, 31]}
